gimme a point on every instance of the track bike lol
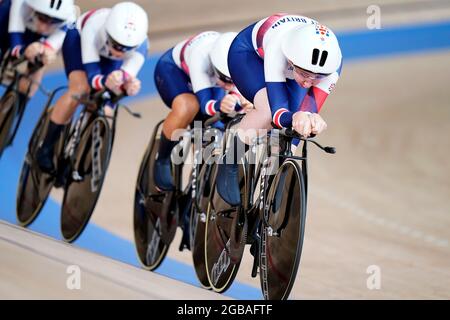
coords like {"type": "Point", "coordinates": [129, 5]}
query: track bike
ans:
{"type": "Point", "coordinates": [157, 214]}
{"type": "Point", "coordinates": [81, 159]}
{"type": "Point", "coordinates": [272, 217]}
{"type": "Point", "coordinates": [12, 107]}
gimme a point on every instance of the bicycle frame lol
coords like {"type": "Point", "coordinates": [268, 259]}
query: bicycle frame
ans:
{"type": "Point", "coordinates": [86, 117]}
{"type": "Point", "coordinates": [255, 168]}
{"type": "Point", "coordinates": [14, 87]}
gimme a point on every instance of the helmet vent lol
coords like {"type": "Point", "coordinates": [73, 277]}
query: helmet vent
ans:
{"type": "Point", "coordinates": [58, 4]}
{"type": "Point", "coordinates": [323, 58]}
{"type": "Point", "coordinates": [315, 56]}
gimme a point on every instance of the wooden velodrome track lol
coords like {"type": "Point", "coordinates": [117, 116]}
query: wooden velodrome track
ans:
{"type": "Point", "coordinates": [382, 200]}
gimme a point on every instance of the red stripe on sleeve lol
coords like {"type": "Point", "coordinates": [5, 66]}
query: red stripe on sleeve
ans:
{"type": "Point", "coordinates": [320, 96]}
{"type": "Point", "coordinates": [210, 107]}
{"type": "Point", "coordinates": [277, 116]}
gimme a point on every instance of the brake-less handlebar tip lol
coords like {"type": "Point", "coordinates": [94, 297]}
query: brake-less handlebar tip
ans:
{"type": "Point", "coordinates": [331, 150]}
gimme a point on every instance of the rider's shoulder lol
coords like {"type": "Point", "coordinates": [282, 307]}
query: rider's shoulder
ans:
{"type": "Point", "coordinates": [206, 37]}
{"type": "Point", "coordinates": [202, 43]}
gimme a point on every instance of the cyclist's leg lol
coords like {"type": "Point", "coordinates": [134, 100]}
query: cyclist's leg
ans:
{"type": "Point", "coordinates": [66, 105]}
{"type": "Point", "coordinates": [184, 107]}
{"type": "Point", "coordinates": [249, 80]}
{"type": "Point", "coordinates": [174, 89]}
{"type": "Point", "coordinates": [62, 112]}
{"type": "Point", "coordinates": [257, 121]}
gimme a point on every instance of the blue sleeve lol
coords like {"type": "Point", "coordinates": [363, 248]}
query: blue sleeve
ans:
{"type": "Point", "coordinates": [16, 39]}
{"type": "Point", "coordinates": [209, 99]}
{"type": "Point", "coordinates": [278, 95]}
{"type": "Point", "coordinates": [218, 93]}
{"type": "Point", "coordinates": [143, 48]}
{"type": "Point", "coordinates": [93, 71]}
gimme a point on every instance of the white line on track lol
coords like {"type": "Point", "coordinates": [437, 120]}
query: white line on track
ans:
{"type": "Point", "coordinates": [397, 227]}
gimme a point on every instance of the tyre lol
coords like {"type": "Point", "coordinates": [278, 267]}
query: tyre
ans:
{"type": "Point", "coordinates": [282, 232]}
{"type": "Point", "coordinates": [85, 178]}
{"type": "Point", "coordinates": [220, 268]}
{"type": "Point", "coordinates": [9, 111]}
{"type": "Point", "coordinates": [34, 185]}
{"type": "Point", "coordinates": [204, 186]}
{"type": "Point", "coordinates": [150, 206]}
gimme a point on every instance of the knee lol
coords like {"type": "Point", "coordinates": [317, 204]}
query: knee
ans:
{"type": "Point", "coordinates": [261, 118]}
{"type": "Point", "coordinates": [78, 83]}
{"type": "Point", "coordinates": [79, 88]}
{"type": "Point", "coordinates": [262, 107]}
{"type": "Point", "coordinates": [265, 115]}
{"type": "Point", "coordinates": [185, 106]}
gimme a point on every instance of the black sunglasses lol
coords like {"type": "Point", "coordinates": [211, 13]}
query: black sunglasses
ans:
{"type": "Point", "coordinates": [47, 19]}
{"type": "Point", "coordinates": [117, 46]}
{"type": "Point", "coordinates": [222, 77]}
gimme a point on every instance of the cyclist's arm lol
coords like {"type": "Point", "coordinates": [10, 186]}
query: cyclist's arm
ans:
{"type": "Point", "coordinates": [135, 60]}
{"type": "Point", "coordinates": [202, 83]}
{"type": "Point", "coordinates": [16, 27]}
{"type": "Point", "coordinates": [94, 74]}
{"type": "Point", "coordinates": [56, 39]}
{"type": "Point", "coordinates": [91, 57]}
{"type": "Point", "coordinates": [277, 91]}
{"type": "Point", "coordinates": [209, 100]}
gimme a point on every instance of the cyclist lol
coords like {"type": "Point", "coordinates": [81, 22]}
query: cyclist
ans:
{"type": "Point", "coordinates": [193, 76]}
{"type": "Point", "coordinates": [34, 28]}
{"type": "Point", "coordinates": [106, 50]}
{"type": "Point", "coordinates": [287, 65]}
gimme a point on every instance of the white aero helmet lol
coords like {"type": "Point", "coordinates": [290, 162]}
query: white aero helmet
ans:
{"type": "Point", "coordinates": [219, 55]}
{"type": "Point", "coordinates": [314, 48]}
{"type": "Point", "coordinates": [127, 25]}
{"type": "Point", "coordinates": [61, 10]}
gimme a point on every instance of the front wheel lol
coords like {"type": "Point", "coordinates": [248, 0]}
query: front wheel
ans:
{"type": "Point", "coordinates": [204, 186]}
{"type": "Point", "coordinates": [153, 221]}
{"type": "Point", "coordinates": [221, 266]}
{"type": "Point", "coordinates": [282, 232]}
{"type": "Point", "coordinates": [86, 176]}
{"type": "Point", "coordinates": [9, 111]}
{"type": "Point", "coordinates": [34, 185]}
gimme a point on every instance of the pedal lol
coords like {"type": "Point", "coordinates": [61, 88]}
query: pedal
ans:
{"type": "Point", "coordinates": [254, 250]}
{"type": "Point", "coordinates": [183, 246]}
{"type": "Point", "coordinates": [76, 176]}
{"type": "Point", "coordinates": [185, 243]}
{"type": "Point", "coordinates": [255, 265]}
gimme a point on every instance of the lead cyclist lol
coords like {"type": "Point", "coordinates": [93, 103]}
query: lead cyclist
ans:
{"type": "Point", "coordinates": [287, 65]}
